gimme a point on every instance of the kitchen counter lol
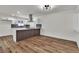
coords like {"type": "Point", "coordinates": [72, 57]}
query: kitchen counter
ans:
{"type": "Point", "coordinates": [24, 28]}
{"type": "Point", "coordinates": [24, 33]}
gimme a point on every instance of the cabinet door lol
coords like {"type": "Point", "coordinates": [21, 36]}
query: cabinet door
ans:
{"type": "Point", "coordinates": [24, 34]}
{"type": "Point", "coordinates": [76, 22]}
{"type": "Point", "coordinates": [36, 32]}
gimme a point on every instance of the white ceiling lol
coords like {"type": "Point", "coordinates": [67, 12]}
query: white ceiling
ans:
{"type": "Point", "coordinates": [27, 9]}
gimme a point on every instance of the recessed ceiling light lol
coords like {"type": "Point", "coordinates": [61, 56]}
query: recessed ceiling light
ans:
{"type": "Point", "coordinates": [18, 12]}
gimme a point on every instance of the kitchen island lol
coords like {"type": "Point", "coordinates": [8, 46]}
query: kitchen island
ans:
{"type": "Point", "coordinates": [24, 33]}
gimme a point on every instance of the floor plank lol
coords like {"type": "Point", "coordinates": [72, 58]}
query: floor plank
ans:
{"type": "Point", "coordinates": [37, 44]}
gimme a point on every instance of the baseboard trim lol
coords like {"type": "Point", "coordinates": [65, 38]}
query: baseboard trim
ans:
{"type": "Point", "coordinates": [5, 36]}
{"type": "Point", "coordinates": [61, 39]}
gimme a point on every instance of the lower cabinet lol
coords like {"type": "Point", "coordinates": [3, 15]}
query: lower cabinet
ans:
{"type": "Point", "coordinates": [24, 34]}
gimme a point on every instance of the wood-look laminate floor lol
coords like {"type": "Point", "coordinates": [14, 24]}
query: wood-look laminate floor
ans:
{"type": "Point", "coordinates": [37, 44]}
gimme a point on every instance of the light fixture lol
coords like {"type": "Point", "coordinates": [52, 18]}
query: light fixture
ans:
{"type": "Point", "coordinates": [46, 7]}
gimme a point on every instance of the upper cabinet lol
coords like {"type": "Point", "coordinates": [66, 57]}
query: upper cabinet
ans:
{"type": "Point", "coordinates": [24, 23]}
{"type": "Point", "coordinates": [20, 21]}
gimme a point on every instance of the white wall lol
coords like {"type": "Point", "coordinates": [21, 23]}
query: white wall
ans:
{"type": "Point", "coordinates": [58, 25]}
{"type": "Point", "coordinates": [5, 28]}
